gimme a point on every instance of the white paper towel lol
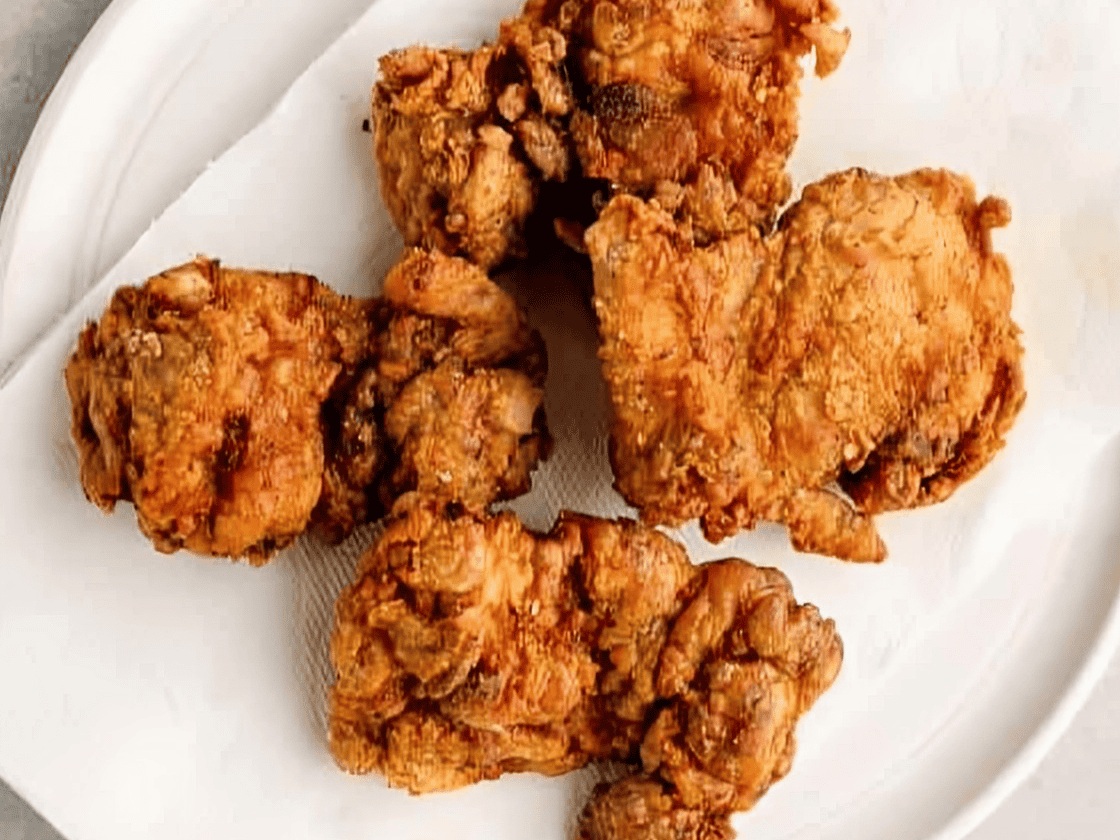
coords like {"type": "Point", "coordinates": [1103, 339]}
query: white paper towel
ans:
{"type": "Point", "coordinates": [145, 692]}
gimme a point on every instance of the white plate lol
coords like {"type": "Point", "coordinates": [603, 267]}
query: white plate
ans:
{"type": "Point", "coordinates": [949, 695]}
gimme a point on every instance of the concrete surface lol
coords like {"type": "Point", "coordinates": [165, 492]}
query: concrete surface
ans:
{"type": "Point", "coordinates": [36, 39]}
{"type": "Point", "coordinates": [1073, 793]}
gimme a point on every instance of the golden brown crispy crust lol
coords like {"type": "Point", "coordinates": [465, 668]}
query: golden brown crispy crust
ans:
{"type": "Point", "coordinates": [236, 408]}
{"type": "Point", "coordinates": [868, 340]}
{"type": "Point", "coordinates": [450, 399]}
{"type": "Point", "coordinates": [468, 647]}
{"type": "Point", "coordinates": [196, 397]}
{"type": "Point", "coordinates": [640, 806]}
{"type": "Point", "coordinates": [694, 103]}
{"type": "Point", "coordinates": [462, 139]}
{"type": "Point", "coordinates": [670, 87]}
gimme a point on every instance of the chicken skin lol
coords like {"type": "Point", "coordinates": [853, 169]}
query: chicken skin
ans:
{"type": "Point", "coordinates": [867, 342]}
{"type": "Point", "coordinates": [235, 409]}
{"type": "Point", "coordinates": [469, 646]}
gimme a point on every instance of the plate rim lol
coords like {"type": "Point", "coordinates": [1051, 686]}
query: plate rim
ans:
{"type": "Point", "coordinates": [1030, 755]}
{"type": "Point", "coordinates": [59, 101]}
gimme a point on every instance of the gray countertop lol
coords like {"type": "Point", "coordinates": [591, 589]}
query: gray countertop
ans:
{"type": "Point", "coordinates": [1072, 794]}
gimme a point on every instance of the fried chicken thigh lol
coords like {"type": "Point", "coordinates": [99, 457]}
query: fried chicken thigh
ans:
{"type": "Point", "coordinates": [867, 341]}
{"type": "Point", "coordinates": [236, 408]}
{"type": "Point", "coordinates": [468, 647]}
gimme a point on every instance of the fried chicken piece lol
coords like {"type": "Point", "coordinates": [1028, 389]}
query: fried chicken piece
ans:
{"type": "Point", "coordinates": [468, 647]}
{"type": "Point", "coordinates": [867, 341]}
{"type": "Point", "coordinates": [463, 139]}
{"type": "Point", "coordinates": [197, 398]}
{"type": "Point", "coordinates": [450, 399]}
{"type": "Point", "coordinates": [236, 408]}
{"type": "Point", "coordinates": [695, 103]}
{"type": "Point", "coordinates": [681, 95]}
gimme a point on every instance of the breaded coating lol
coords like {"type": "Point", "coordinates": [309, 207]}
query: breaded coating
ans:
{"type": "Point", "coordinates": [197, 397]}
{"type": "Point", "coordinates": [678, 95]}
{"type": "Point", "coordinates": [450, 399]}
{"type": "Point", "coordinates": [236, 408]}
{"type": "Point", "coordinates": [867, 341]}
{"type": "Point", "coordinates": [639, 806]}
{"type": "Point", "coordinates": [469, 646]}
{"type": "Point", "coordinates": [463, 139]}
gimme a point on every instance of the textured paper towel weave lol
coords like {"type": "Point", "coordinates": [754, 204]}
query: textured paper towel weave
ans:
{"type": "Point", "coordinates": [150, 691]}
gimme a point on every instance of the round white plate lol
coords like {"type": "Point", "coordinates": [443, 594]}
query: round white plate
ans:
{"type": "Point", "coordinates": [960, 709]}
